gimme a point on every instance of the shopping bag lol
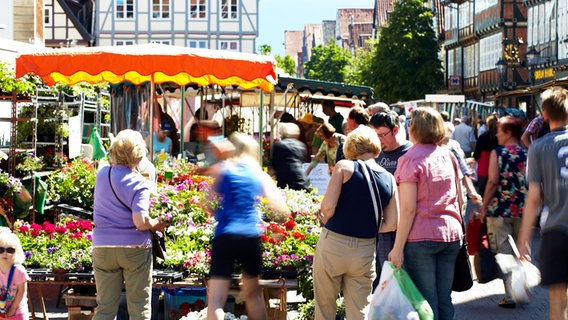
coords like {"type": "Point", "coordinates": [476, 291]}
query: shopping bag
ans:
{"type": "Point", "coordinates": [473, 236]}
{"type": "Point", "coordinates": [484, 260]}
{"type": "Point", "coordinates": [388, 300]}
{"type": "Point", "coordinates": [524, 275]}
{"type": "Point", "coordinates": [416, 298]}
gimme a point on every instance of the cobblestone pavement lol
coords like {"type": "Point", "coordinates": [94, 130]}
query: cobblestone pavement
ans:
{"type": "Point", "coordinates": [480, 302]}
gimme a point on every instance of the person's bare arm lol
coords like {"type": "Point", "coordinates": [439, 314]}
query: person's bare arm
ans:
{"type": "Point", "coordinates": [391, 213]}
{"type": "Point", "coordinates": [492, 183]}
{"type": "Point", "coordinates": [408, 191]}
{"type": "Point", "coordinates": [21, 292]}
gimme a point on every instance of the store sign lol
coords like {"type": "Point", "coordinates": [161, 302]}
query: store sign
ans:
{"type": "Point", "coordinates": [543, 74]}
{"type": "Point", "coordinates": [454, 81]}
{"type": "Point", "coordinates": [319, 177]}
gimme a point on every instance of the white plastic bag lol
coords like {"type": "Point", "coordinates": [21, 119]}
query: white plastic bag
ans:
{"type": "Point", "coordinates": [388, 301]}
{"type": "Point", "coordinates": [524, 275]}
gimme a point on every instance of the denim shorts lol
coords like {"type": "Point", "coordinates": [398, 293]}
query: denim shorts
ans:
{"type": "Point", "coordinates": [231, 250]}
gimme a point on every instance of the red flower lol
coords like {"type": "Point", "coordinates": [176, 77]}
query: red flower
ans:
{"type": "Point", "coordinates": [290, 224]}
{"type": "Point", "coordinates": [60, 229]}
{"type": "Point", "coordinates": [299, 235]}
{"type": "Point", "coordinates": [24, 229]}
{"type": "Point", "coordinates": [48, 228]}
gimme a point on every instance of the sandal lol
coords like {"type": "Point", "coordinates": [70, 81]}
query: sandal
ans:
{"type": "Point", "coordinates": [507, 303]}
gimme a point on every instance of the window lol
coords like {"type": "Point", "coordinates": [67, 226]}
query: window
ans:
{"type": "Point", "coordinates": [124, 9]}
{"type": "Point", "coordinates": [470, 62]}
{"type": "Point", "coordinates": [201, 44]}
{"type": "Point", "coordinates": [490, 51]}
{"type": "Point", "coordinates": [123, 42]}
{"type": "Point", "coordinates": [161, 41]}
{"type": "Point", "coordinates": [450, 18]}
{"type": "Point", "coordinates": [198, 9]}
{"type": "Point", "coordinates": [229, 9]}
{"type": "Point", "coordinates": [229, 45]}
{"type": "Point", "coordinates": [450, 68]}
{"type": "Point", "coordinates": [466, 15]}
{"type": "Point", "coordinates": [47, 16]}
{"type": "Point", "coordinates": [481, 5]}
{"type": "Point", "coordinates": [161, 9]}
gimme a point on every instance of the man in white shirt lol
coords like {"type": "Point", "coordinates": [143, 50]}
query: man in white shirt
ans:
{"type": "Point", "coordinates": [463, 134]}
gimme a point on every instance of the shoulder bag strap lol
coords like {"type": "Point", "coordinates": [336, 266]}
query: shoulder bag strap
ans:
{"type": "Point", "coordinates": [366, 172]}
{"type": "Point", "coordinates": [459, 190]}
{"type": "Point", "coordinates": [111, 187]}
{"type": "Point", "coordinates": [10, 276]}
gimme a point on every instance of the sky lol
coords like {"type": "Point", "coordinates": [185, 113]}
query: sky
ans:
{"type": "Point", "coordinates": [277, 16]}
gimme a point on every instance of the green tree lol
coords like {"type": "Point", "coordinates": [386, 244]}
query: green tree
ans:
{"type": "Point", "coordinates": [265, 49]}
{"type": "Point", "coordinates": [328, 63]}
{"type": "Point", "coordinates": [358, 71]}
{"type": "Point", "coordinates": [406, 65]}
{"type": "Point", "coordinates": [287, 64]}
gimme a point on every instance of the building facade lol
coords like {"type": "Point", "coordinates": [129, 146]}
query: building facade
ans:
{"type": "Point", "coordinates": [211, 24]}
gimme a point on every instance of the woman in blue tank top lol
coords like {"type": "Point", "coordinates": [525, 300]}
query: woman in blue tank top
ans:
{"type": "Point", "coordinates": [344, 258]}
{"type": "Point", "coordinates": [240, 182]}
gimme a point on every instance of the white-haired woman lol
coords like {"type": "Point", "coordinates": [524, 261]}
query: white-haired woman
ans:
{"type": "Point", "coordinates": [122, 244]}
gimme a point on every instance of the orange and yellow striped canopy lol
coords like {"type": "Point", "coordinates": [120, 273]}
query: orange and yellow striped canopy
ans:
{"type": "Point", "coordinates": [159, 63]}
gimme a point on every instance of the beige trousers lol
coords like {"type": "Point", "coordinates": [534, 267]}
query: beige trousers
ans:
{"type": "Point", "coordinates": [347, 264]}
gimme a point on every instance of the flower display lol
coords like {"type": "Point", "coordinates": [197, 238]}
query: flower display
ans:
{"type": "Point", "coordinates": [184, 198]}
{"type": "Point", "coordinates": [29, 162]}
{"type": "Point", "coordinates": [9, 185]}
{"type": "Point", "coordinates": [66, 245]}
{"type": "Point", "coordinates": [73, 184]}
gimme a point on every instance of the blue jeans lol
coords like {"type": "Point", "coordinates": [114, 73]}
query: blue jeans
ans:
{"type": "Point", "coordinates": [431, 266]}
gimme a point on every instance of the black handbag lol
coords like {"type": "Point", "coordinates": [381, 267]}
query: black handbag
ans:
{"type": "Point", "coordinates": [463, 279]}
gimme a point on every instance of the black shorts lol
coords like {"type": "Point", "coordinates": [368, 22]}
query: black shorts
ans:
{"type": "Point", "coordinates": [553, 261]}
{"type": "Point", "coordinates": [228, 249]}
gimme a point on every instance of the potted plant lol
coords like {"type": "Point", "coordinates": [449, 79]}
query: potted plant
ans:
{"type": "Point", "coordinates": [64, 246]}
{"type": "Point", "coordinates": [28, 163]}
{"type": "Point", "coordinates": [9, 185]}
{"type": "Point", "coordinates": [73, 184]}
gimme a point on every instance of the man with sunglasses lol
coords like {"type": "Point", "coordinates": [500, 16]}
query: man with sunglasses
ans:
{"type": "Point", "coordinates": [394, 146]}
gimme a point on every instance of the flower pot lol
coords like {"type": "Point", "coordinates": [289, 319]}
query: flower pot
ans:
{"type": "Point", "coordinates": [60, 274]}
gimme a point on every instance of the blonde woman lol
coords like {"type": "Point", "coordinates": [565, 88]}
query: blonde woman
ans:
{"type": "Point", "coordinates": [240, 182]}
{"type": "Point", "coordinates": [344, 258]}
{"type": "Point", "coordinates": [122, 244]}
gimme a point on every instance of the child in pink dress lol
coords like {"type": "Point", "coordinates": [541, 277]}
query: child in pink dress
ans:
{"type": "Point", "coordinates": [13, 277]}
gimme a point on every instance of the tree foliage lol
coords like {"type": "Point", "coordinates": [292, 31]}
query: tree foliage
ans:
{"type": "Point", "coordinates": [287, 64]}
{"type": "Point", "coordinates": [406, 65]}
{"type": "Point", "coordinates": [358, 71]}
{"type": "Point", "coordinates": [328, 63]}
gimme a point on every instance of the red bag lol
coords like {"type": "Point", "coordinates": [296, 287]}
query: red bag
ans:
{"type": "Point", "coordinates": [473, 236]}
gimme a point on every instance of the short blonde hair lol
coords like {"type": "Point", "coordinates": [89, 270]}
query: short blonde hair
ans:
{"type": "Point", "coordinates": [426, 126]}
{"type": "Point", "coordinates": [288, 130]}
{"type": "Point", "coordinates": [360, 141]}
{"type": "Point", "coordinates": [246, 149]}
{"type": "Point", "coordinates": [128, 148]}
{"type": "Point", "coordinates": [11, 240]}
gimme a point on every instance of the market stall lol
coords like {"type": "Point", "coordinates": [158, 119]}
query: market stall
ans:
{"type": "Point", "coordinates": [150, 63]}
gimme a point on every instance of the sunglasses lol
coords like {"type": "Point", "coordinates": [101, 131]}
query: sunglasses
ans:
{"type": "Point", "coordinates": [7, 250]}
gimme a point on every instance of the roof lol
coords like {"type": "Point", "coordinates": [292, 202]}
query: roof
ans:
{"type": "Point", "coordinates": [326, 88]}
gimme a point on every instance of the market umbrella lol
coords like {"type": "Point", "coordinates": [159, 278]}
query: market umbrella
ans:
{"type": "Point", "coordinates": [153, 63]}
